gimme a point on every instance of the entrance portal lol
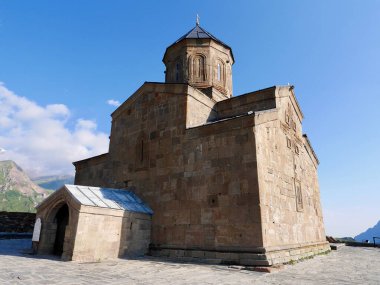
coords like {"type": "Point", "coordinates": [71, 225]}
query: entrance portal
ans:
{"type": "Point", "coordinates": [61, 219]}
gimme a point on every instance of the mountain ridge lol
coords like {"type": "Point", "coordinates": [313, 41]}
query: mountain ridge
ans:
{"type": "Point", "coordinates": [53, 182]}
{"type": "Point", "coordinates": [369, 233]}
{"type": "Point", "coordinates": [18, 192]}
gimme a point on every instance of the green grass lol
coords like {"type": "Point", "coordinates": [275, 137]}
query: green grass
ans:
{"type": "Point", "coordinates": [292, 261]}
{"type": "Point", "coordinates": [13, 201]}
{"type": "Point", "coordinates": [4, 168]}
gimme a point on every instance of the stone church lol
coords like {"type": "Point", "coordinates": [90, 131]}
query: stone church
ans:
{"type": "Point", "coordinates": [230, 178]}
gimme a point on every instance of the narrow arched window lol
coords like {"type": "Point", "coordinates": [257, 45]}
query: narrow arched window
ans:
{"type": "Point", "coordinates": [177, 70]}
{"type": "Point", "coordinates": [142, 151]}
{"type": "Point", "coordinates": [219, 75]}
{"type": "Point", "coordinates": [199, 68]}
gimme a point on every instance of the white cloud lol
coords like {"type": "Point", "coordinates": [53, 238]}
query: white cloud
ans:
{"type": "Point", "coordinates": [83, 124]}
{"type": "Point", "coordinates": [58, 110]}
{"type": "Point", "coordinates": [113, 102]}
{"type": "Point", "coordinates": [38, 138]}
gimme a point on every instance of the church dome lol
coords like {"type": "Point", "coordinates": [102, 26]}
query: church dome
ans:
{"type": "Point", "coordinates": [200, 59]}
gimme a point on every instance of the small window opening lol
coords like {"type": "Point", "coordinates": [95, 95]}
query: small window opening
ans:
{"type": "Point", "coordinates": [219, 72]}
{"type": "Point", "coordinates": [142, 151]}
{"type": "Point", "coordinates": [199, 70]}
{"type": "Point", "coordinates": [288, 142]}
{"type": "Point", "coordinates": [299, 198]}
{"type": "Point", "coordinates": [177, 68]}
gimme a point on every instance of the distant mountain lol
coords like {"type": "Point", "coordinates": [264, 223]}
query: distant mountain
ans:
{"type": "Point", "coordinates": [17, 192]}
{"type": "Point", "coordinates": [53, 182]}
{"type": "Point", "coordinates": [345, 239]}
{"type": "Point", "coordinates": [369, 234]}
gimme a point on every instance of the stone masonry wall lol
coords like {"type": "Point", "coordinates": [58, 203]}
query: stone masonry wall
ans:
{"type": "Point", "coordinates": [200, 109]}
{"type": "Point", "coordinates": [289, 190]}
{"type": "Point", "coordinates": [135, 234]}
{"type": "Point", "coordinates": [118, 234]}
{"type": "Point", "coordinates": [17, 222]}
{"type": "Point", "coordinates": [201, 182]}
{"type": "Point", "coordinates": [247, 183]}
{"type": "Point", "coordinates": [194, 179]}
{"type": "Point", "coordinates": [93, 169]}
{"type": "Point", "coordinates": [254, 101]}
{"type": "Point", "coordinates": [98, 234]}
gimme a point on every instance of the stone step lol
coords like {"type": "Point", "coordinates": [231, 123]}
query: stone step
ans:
{"type": "Point", "coordinates": [252, 262]}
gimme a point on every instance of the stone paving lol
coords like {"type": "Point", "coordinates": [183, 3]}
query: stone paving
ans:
{"type": "Point", "coordinates": [348, 265]}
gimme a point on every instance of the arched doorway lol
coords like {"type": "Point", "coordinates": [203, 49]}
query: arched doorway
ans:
{"type": "Point", "coordinates": [61, 219]}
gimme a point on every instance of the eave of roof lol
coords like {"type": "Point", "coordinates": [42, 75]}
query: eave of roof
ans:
{"type": "Point", "coordinates": [90, 158]}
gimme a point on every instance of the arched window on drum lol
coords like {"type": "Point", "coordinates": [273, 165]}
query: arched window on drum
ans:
{"type": "Point", "coordinates": [199, 68]}
{"type": "Point", "coordinates": [219, 72]}
{"type": "Point", "coordinates": [177, 71]}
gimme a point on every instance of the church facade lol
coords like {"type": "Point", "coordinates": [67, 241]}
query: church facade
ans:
{"type": "Point", "coordinates": [228, 178]}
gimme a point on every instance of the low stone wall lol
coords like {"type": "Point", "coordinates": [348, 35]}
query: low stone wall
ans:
{"type": "Point", "coordinates": [363, 244]}
{"type": "Point", "coordinates": [17, 222]}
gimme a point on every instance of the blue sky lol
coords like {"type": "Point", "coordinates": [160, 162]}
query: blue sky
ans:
{"type": "Point", "coordinates": [61, 61]}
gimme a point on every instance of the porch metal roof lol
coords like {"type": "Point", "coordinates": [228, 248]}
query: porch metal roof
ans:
{"type": "Point", "coordinates": [108, 198]}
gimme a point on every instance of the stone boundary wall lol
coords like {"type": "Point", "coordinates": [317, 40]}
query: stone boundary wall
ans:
{"type": "Point", "coordinates": [17, 222]}
{"type": "Point", "coordinates": [362, 244]}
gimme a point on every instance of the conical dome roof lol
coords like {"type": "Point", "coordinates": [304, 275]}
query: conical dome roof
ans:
{"type": "Point", "coordinates": [200, 33]}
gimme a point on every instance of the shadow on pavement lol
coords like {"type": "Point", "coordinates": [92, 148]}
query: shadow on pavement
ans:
{"type": "Point", "coordinates": [21, 247]}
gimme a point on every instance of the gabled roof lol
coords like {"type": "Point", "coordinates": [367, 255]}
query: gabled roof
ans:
{"type": "Point", "coordinates": [199, 33]}
{"type": "Point", "coordinates": [104, 198]}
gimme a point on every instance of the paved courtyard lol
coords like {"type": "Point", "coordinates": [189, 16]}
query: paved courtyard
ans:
{"type": "Point", "coordinates": [348, 265]}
